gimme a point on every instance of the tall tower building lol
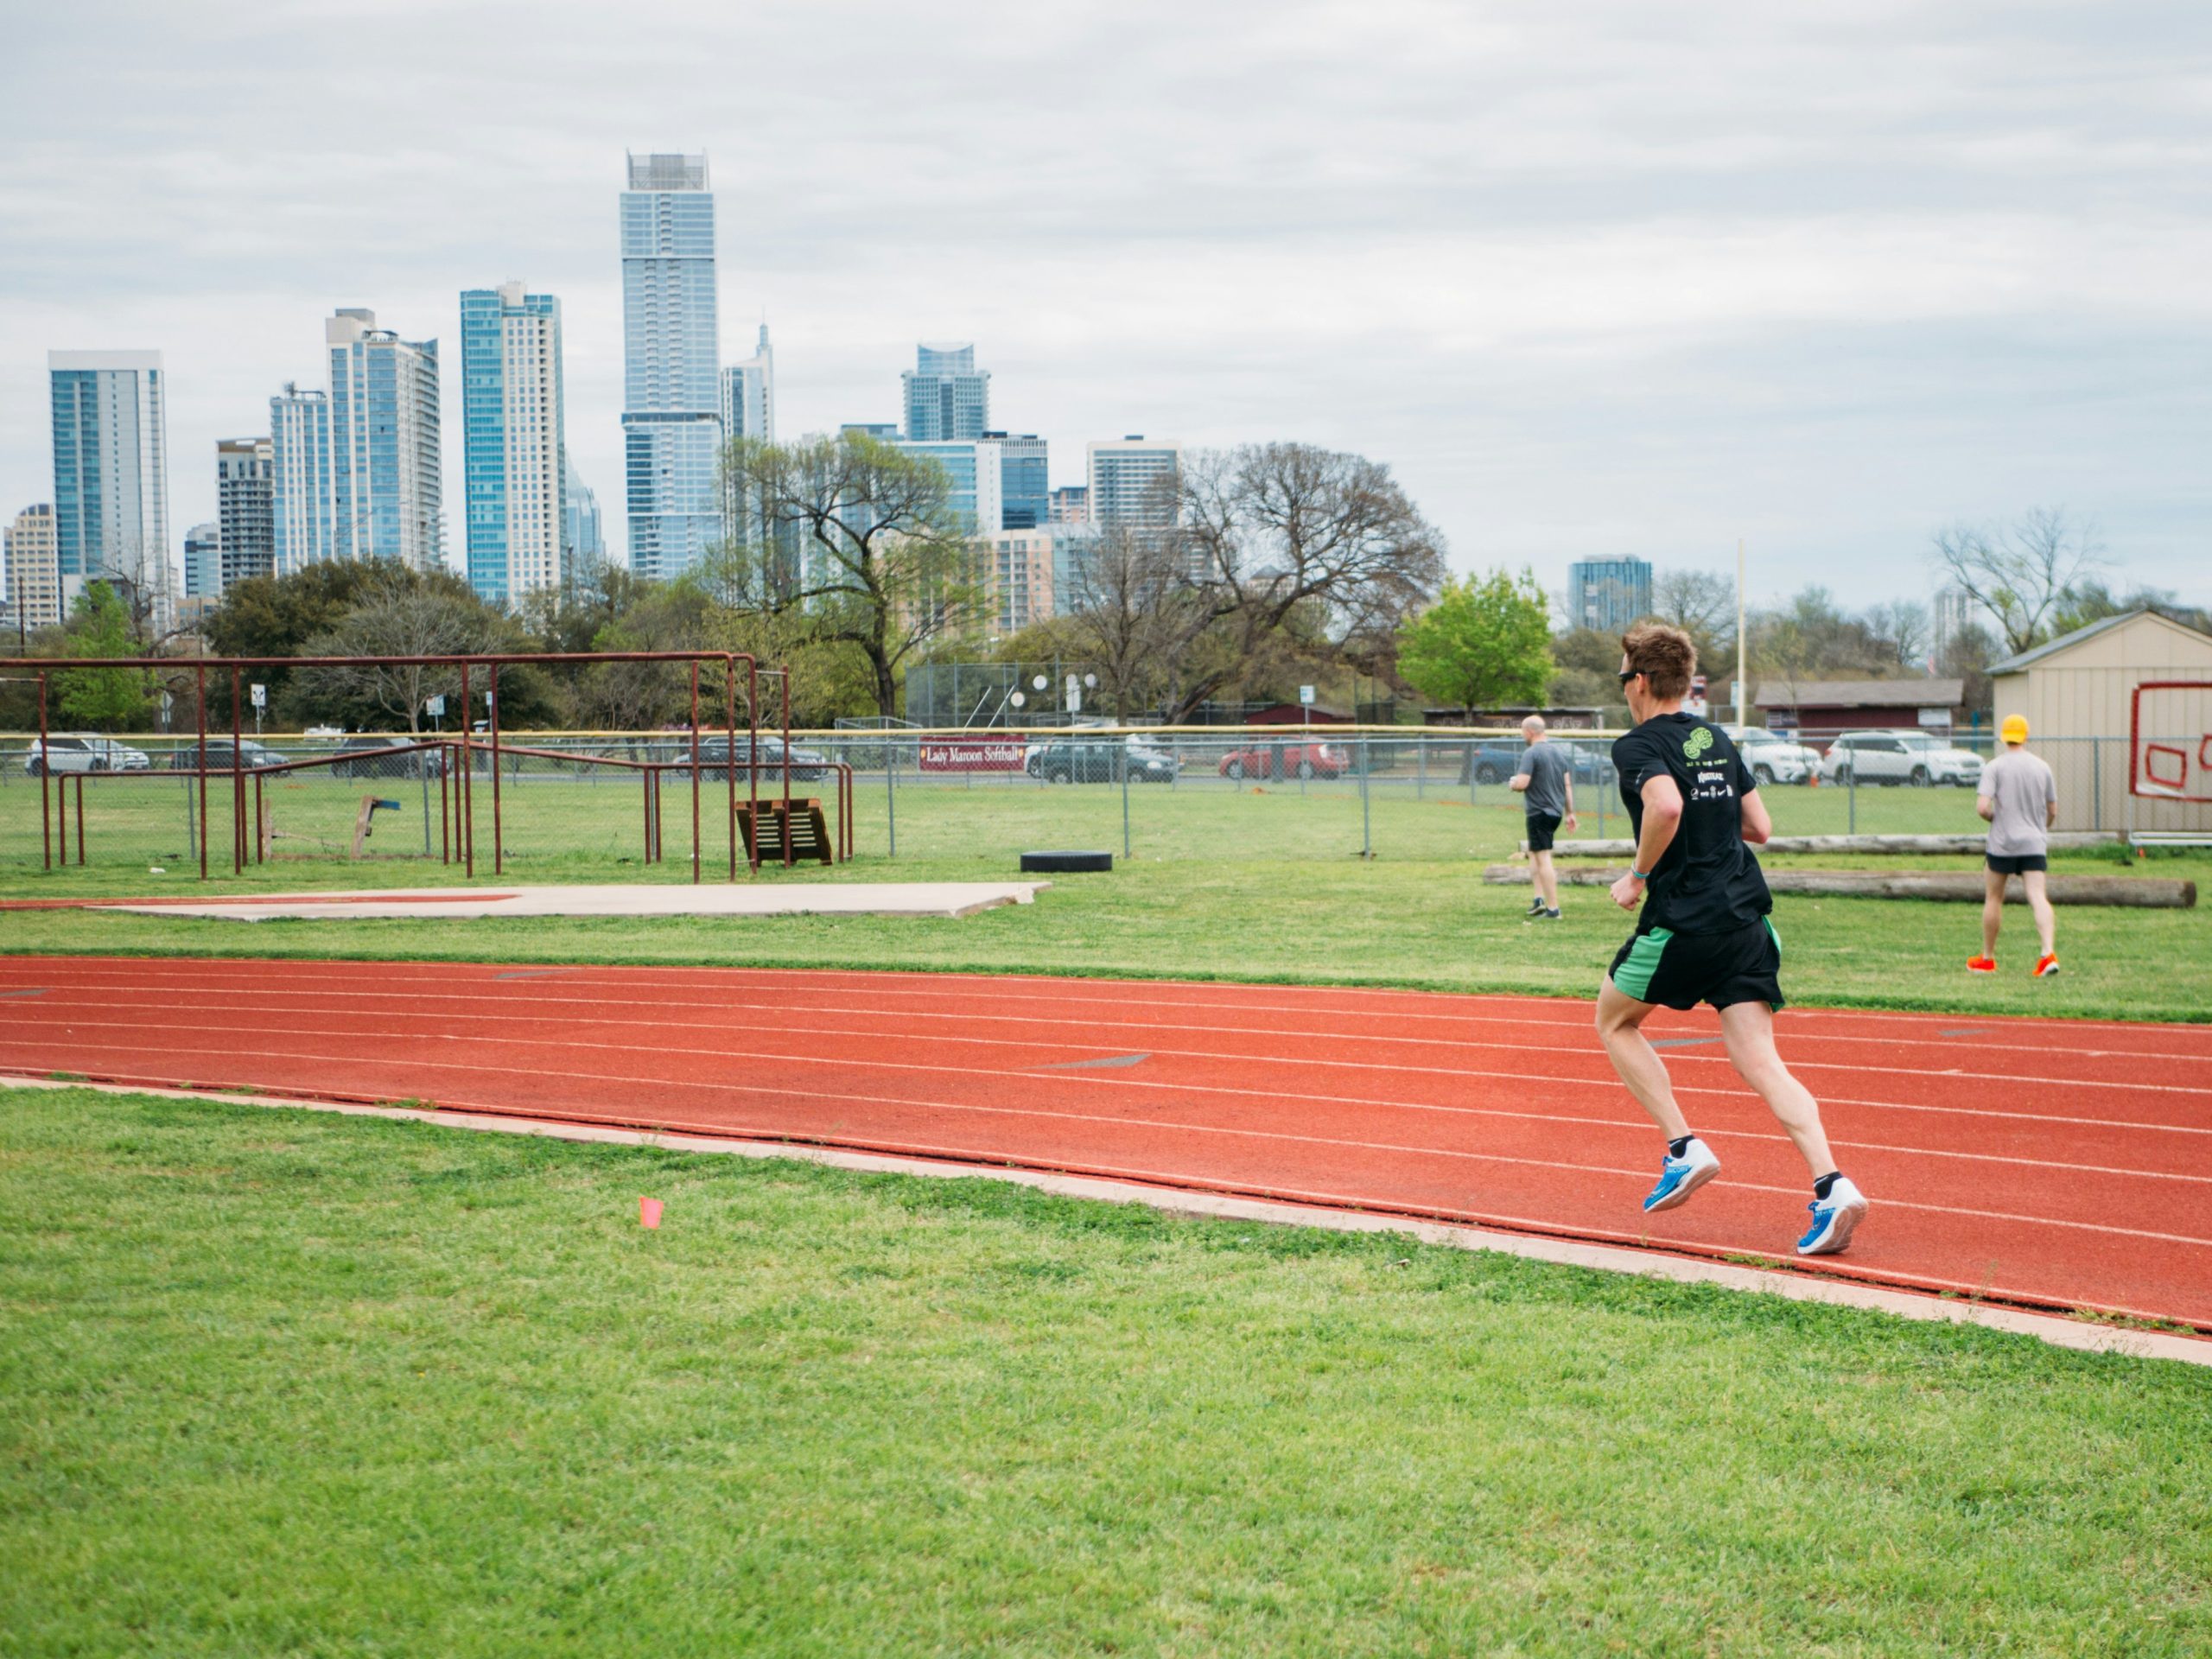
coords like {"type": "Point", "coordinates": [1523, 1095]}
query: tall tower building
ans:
{"type": "Point", "coordinates": [1608, 594]}
{"type": "Point", "coordinates": [302, 494]}
{"type": "Point", "coordinates": [974, 490]}
{"type": "Point", "coordinates": [671, 397]}
{"type": "Point", "coordinates": [1022, 470]}
{"type": "Point", "coordinates": [583, 545]}
{"type": "Point", "coordinates": [245, 508]}
{"type": "Point", "coordinates": [946, 398]}
{"type": "Point", "coordinates": [33, 573]}
{"type": "Point", "coordinates": [749, 395]}
{"type": "Point", "coordinates": [514, 441]}
{"type": "Point", "coordinates": [203, 561]}
{"type": "Point", "coordinates": [1131, 481]}
{"type": "Point", "coordinates": [110, 478]}
{"type": "Point", "coordinates": [389, 497]}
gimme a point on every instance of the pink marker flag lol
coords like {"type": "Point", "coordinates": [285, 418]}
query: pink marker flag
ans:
{"type": "Point", "coordinates": [649, 1211]}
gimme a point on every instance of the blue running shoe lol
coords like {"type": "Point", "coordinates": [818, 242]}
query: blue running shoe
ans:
{"type": "Point", "coordinates": [1834, 1219]}
{"type": "Point", "coordinates": [1679, 1176]}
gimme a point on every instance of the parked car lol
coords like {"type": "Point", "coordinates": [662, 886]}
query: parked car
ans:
{"type": "Point", "coordinates": [422, 763]}
{"type": "Point", "coordinates": [1908, 757]}
{"type": "Point", "coordinates": [62, 755]}
{"type": "Point", "coordinates": [1775, 757]}
{"type": "Point", "coordinates": [252, 756]}
{"type": "Point", "coordinates": [1286, 760]}
{"type": "Point", "coordinates": [1494, 760]}
{"type": "Point", "coordinates": [808, 766]}
{"type": "Point", "coordinates": [1103, 762]}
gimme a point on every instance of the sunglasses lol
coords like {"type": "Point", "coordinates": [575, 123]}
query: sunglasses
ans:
{"type": "Point", "coordinates": [1629, 674]}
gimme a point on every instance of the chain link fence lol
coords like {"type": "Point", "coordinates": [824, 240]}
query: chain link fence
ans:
{"type": "Point", "coordinates": [620, 806]}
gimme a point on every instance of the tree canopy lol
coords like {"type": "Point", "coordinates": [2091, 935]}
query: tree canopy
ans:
{"type": "Point", "coordinates": [1486, 641]}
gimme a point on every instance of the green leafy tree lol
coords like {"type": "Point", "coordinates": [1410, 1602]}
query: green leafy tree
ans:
{"type": "Point", "coordinates": [106, 699]}
{"type": "Point", "coordinates": [1486, 640]}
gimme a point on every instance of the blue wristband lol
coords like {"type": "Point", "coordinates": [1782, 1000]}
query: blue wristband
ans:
{"type": "Point", "coordinates": [1640, 875]}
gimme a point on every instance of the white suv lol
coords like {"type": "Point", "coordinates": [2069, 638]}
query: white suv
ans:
{"type": "Point", "coordinates": [1773, 758]}
{"type": "Point", "coordinates": [1901, 756]}
{"type": "Point", "coordinates": [59, 754]}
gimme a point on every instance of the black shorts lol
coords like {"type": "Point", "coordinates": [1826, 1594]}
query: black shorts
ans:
{"type": "Point", "coordinates": [2013, 863]}
{"type": "Point", "coordinates": [1683, 969]}
{"type": "Point", "coordinates": [1543, 826]}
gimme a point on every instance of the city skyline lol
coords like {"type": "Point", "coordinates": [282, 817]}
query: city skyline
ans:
{"type": "Point", "coordinates": [1616, 285]}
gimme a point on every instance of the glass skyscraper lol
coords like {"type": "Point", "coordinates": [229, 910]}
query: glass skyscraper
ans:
{"type": "Point", "coordinates": [1028, 491]}
{"type": "Point", "coordinates": [946, 397]}
{"type": "Point", "coordinates": [203, 561]}
{"type": "Point", "coordinates": [1130, 482]}
{"type": "Point", "coordinates": [110, 478]}
{"type": "Point", "coordinates": [584, 545]}
{"type": "Point", "coordinates": [245, 508]}
{"type": "Point", "coordinates": [388, 499]}
{"type": "Point", "coordinates": [302, 509]}
{"type": "Point", "coordinates": [1611, 596]}
{"type": "Point", "coordinates": [514, 441]}
{"type": "Point", "coordinates": [671, 397]}
{"type": "Point", "coordinates": [976, 493]}
{"type": "Point", "coordinates": [749, 395]}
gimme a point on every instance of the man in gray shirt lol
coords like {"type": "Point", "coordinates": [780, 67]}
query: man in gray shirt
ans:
{"type": "Point", "coordinates": [2019, 798]}
{"type": "Point", "coordinates": [1545, 782]}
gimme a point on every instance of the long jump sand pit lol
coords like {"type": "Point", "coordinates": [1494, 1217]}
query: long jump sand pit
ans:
{"type": "Point", "coordinates": [952, 898]}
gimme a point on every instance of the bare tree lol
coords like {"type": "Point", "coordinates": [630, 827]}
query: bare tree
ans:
{"type": "Point", "coordinates": [2019, 573]}
{"type": "Point", "coordinates": [1702, 603]}
{"type": "Point", "coordinates": [1903, 632]}
{"type": "Point", "coordinates": [396, 621]}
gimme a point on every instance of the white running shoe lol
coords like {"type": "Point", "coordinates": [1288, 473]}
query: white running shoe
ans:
{"type": "Point", "coordinates": [1834, 1219]}
{"type": "Point", "coordinates": [1679, 1176]}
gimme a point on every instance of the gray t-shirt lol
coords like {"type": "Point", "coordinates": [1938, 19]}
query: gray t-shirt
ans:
{"type": "Point", "coordinates": [2023, 789]}
{"type": "Point", "coordinates": [1544, 765]}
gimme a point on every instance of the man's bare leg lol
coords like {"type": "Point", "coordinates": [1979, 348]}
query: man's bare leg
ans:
{"type": "Point", "coordinates": [1992, 910]}
{"type": "Point", "coordinates": [1620, 1025]}
{"type": "Point", "coordinates": [2039, 906]}
{"type": "Point", "coordinates": [1547, 880]}
{"type": "Point", "coordinates": [1748, 1030]}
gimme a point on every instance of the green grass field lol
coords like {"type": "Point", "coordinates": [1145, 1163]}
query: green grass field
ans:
{"type": "Point", "coordinates": [276, 1382]}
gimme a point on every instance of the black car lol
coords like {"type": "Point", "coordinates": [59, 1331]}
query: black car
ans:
{"type": "Point", "coordinates": [1103, 763]}
{"type": "Point", "coordinates": [422, 763]}
{"type": "Point", "coordinates": [251, 757]}
{"type": "Point", "coordinates": [716, 755]}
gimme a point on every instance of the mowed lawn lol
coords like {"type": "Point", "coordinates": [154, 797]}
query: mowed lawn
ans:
{"type": "Point", "coordinates": [273, 1381]}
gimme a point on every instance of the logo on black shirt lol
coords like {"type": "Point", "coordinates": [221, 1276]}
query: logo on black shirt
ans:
{"type": "Point", "coordinates": [1697, 742]}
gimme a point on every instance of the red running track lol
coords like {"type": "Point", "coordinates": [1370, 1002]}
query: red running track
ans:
{"type": "Point", "coordinates": [2058, 1164]}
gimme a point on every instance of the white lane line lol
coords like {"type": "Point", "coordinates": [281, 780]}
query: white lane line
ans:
{"type": "Point", "coordinates": [847, 1011]}
{"type": "Point", "coordinates": [1075, 1118]}
{"type": "Point", "coordinates": [1791, 1021]}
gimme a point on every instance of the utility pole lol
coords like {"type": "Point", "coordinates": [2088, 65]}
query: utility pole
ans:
{"type": "Point", "coordinates": [1742, 656]}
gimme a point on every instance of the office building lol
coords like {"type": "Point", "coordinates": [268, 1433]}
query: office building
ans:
{"type": "Point", "coordinates": [1074, 568]}
{"type": "Point", "coordinates": [512, 440]}
{"type": "Point", "coordinates": [1952, 614]}
{"type": "Point", "coordinates": [1132, 481]}
{"type": "Point", "coordinates": [672, 395]}
{"type": "Point", "coordinates": [584, 545]}
{"type": "Point", "coordinates": [977, 490]}
{"type": "Point", "coordinates": [1611, 596]}
{"type": "Point", "coordinates": [881, 431]}
{"type": "Point", "coordinates": [303, 502]}
{"type": "Point", "coordinates": [203, 560]}
{"type": "Point", "coordinates": [34, 572]}
{"type": "Point", "coordinates": [1029, 492]}
{"type": "Point", "coordinates": [946, 399]}
{"type": "Point", "coordinates": [110, 478]}
{"type": "Point", "coordinates": [388, 495]}
{"type": "Point", "coordinates": [245, 508]}
{"type": "Point", "coordinates": [749, 395]}
{"type": "Point", "coordinates": [1071, 504]}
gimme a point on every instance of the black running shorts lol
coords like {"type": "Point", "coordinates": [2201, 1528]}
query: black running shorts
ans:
{"type": "Point", "coordinates": [2014, 863]}
{"type": "Point", "coordinates": [1543, 826]}
{"type": "Point", "coordinates": [1683, 969]}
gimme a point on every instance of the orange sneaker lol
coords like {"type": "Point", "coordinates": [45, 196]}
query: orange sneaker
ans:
{"type": "Point", "coordinates": [1981, 964]}
{"type": "Point", "coordinates": [2046, 968]}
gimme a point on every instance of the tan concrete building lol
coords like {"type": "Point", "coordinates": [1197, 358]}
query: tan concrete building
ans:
{"type": "Point", "coordinates": [34, 568]}
{"type": "Point", "coordinates": [2076, 693]}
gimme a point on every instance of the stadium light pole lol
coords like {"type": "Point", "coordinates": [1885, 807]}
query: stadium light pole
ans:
{"type": "Point", "coordinates": [1741, 719]}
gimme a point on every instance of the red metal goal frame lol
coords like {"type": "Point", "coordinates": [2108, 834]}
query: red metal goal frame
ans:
{"type": "Point", "coordinates": [2143, 779]}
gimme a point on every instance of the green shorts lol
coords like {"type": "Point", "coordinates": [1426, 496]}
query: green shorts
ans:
{"type": "Point", "coordinates": [1680, 970]}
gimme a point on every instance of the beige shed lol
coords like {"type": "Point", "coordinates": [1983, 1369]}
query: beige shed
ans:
{"type": "Point", "coordinates": [2076, 692]}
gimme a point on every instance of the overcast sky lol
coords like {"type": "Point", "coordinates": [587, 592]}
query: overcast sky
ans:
{"type": "Point", "coordinates": [1593, 278]}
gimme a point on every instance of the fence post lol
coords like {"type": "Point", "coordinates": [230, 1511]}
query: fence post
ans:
{"type": "Point", "coordinates": [2096, 783]}
{"type": "Point", "coordinates": [1124, 754]}
{"type": "Point", "coordinates": [891, 790]}
{"type": "Point", "coordinates": [1366, 826]}
{"type": "Point", "coordinates": [1420, 767]}
{"type": "Point", "coordinates": [1851, 781]}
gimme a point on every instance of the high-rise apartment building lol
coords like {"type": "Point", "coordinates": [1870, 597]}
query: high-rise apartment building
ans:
{"type": "Point", "coordinates": [388, 496]}
{"type": "Point", "coordinates": [881, 431]}
{"type": "Point", "coordinates": [672, 395]}
{"type": "Point", "coordinates": [1028, 498]}
{"type": "Point", "coordinates": [110, 478]}
{"type": "Point", "coordinates": [245, 509]}
{"type": "Point", "coordinates": [977, 490]}
{"type": "Point", "coordinates": [1132, 481]}
{"type": "Point", "coordinates": [583, 545]}
{"type": "Point", "coordinates": [749, 395]}
{"type": "Point", "coordinates": [512, 440]}
{"type": "Point", "coordinates": [946, 397]}
{"type": "Point", "coordinates": [34, 571]}
{"type": "Point", "coordinates": [302, 498]}
{"type": "Point", "coordinates": [1608, 594]}
{"type": "Point", "coordinates": [203, 560]}
{"type": "Point", "coordinates": [1071, 504]}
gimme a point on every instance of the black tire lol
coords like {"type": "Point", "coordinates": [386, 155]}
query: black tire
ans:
{"type": "Point", "coordinates": [1305, 769]}
{"type": "Point", "coordinates": [1059, 775]}
{"type": "Point", "coordinates": [1920, 778]}
{"type": "Point", "coordinates": [1762, 773]}
{"type": "Point", "coordinates": [1485, 773]}
{"type": "Point", "coordinates": [1843, 776]}
{"type": "Point", "coordinates": [1235, 769]}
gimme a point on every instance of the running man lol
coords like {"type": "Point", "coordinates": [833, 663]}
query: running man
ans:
{"type": "Point", "coordinates": [1704, 935]}
{"type": "Point", "coordinates": [1545, 782]}
{"type": "Point", "coordinates": [2019, 798]}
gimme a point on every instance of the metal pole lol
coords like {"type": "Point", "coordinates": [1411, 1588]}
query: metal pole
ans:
{"type": "Point", "coordinates": [729, 775]}
{"type": "Point", "coordinates": [1852, 791]}
{"type": "Point", "coordinates": [1125, 797]}
{"type": "Point", "coordinates": [1366, 827]}
{"type": "Point", "coordinates": [1740, 651]}
{"type": "Point", "coordinates": [45, 778]}
{"type": "Point", "coordinates": [498, 839]}
{"type": "Point", "coordinates": [891, 790]}
{"type": "Point", "coordinates": [423, 762]}
{"type": "Point", "coordinates": [2096, 783]}
{"type": "Point", "coordinates": [464, 795]}
{"type": "Point", "coordinates": [786, 677]}
{"type": "Point", "coordinates": [694, 772]}
{"type": "Point", "coordinates": [202, 700]}
{"type": "Point", "coordinates": [238, 774]}
{"type": "Point", "coordinates": [751, 758]}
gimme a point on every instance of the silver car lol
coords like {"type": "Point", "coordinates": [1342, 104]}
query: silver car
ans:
{"type": "Point", "coordinates": [1917, 757]}
{"type": "Point", "coordinates": [1773, 758]}
{"type": "Point", "coordinates": [60, 753]}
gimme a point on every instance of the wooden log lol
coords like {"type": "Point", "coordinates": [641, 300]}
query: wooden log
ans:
{"type": "Point", "coordinates": [1952, 887]}
{"type": "Point", "coordinates": [1975, 845]}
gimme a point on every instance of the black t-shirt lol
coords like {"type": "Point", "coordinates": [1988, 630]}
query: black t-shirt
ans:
{"type": "Point", "coordinates": [1707, 882]}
